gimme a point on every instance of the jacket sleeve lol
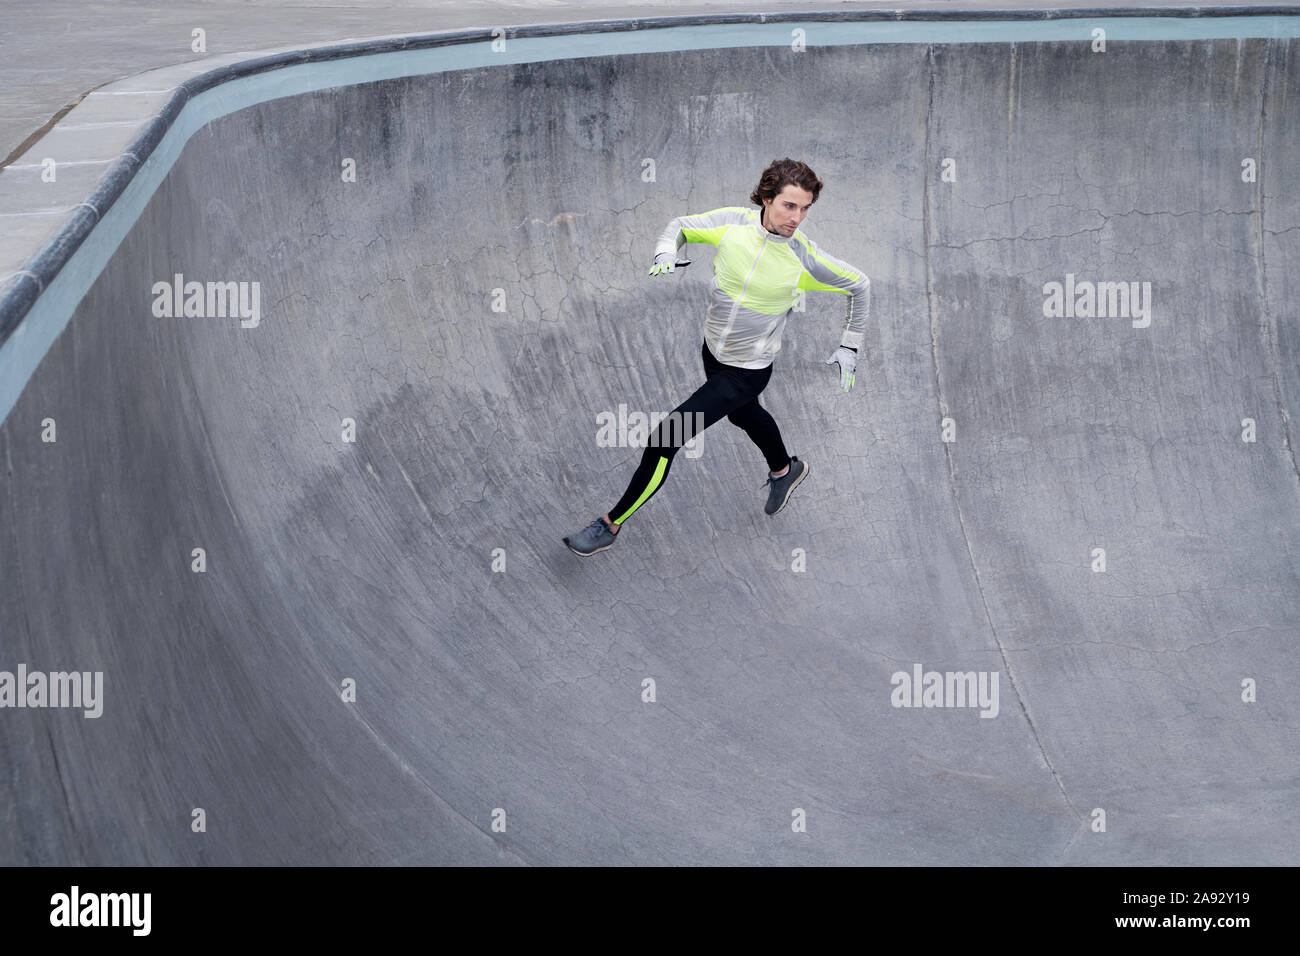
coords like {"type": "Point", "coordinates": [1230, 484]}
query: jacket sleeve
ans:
{"type": "Point", "coordinates": [707, 227]}
{"type": "Point", "coordinates": [824, 273]}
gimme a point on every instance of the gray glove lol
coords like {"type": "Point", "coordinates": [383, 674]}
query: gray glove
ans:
{"type": "Point", "coordinates": [847, 359]}
{"type": "Point", "coordinates": [664, 262]}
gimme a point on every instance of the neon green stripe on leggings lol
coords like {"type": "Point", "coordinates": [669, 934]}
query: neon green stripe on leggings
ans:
{"type": "Point", "coordinates": [655, 480]}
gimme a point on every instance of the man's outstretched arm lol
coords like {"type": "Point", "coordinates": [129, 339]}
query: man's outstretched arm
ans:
{"type": "Point", "coordinates": [824, 273]}
{"type": "Point", "coordinates": [706, 227]}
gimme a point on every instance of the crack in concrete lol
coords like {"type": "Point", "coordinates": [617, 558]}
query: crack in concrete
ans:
{"type": "Point", "coordinates": [1261, 272]}
{"type": "Point", "coordinates": [415, 775]}
{"type": "Point", "coordinates": [63, 785]}
{"type": "Point", "coordinates": [933, 307]}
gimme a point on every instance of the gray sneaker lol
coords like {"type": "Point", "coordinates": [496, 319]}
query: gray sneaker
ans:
{"type": "Point", "coordinates": [591, 539]}
{"type": "Point", "coordinates": [779, 489]}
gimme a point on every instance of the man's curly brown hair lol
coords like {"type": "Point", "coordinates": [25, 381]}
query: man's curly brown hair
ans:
{"type": "Point", "coordinates": [782, 173]}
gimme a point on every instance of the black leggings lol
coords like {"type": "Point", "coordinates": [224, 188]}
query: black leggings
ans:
{"type": "Point", "coordinates": [728, 391]}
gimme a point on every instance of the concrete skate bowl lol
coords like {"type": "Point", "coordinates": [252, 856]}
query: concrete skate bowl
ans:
{"type": "Point", "coordinates": [384, 654]}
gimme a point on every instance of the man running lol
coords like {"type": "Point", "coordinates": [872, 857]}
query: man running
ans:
{"type": "Point", "coordinates": [762, 264]}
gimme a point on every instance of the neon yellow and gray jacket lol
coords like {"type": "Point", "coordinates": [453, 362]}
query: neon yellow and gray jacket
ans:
{"type": "Point", "coordinates": [757, 278]}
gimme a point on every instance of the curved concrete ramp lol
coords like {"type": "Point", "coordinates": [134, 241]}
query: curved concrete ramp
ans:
{"type": "Point", "coordinates": [1097, 535]}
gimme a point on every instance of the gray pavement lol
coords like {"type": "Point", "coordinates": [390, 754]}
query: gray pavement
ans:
{"type": "Point", "coordinates": [955, 518]}
{"type": "Point", "coordinates": [58, 50]}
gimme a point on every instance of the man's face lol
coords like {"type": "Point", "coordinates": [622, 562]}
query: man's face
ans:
{"type": "Point", "coordinates": [787, 210]}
